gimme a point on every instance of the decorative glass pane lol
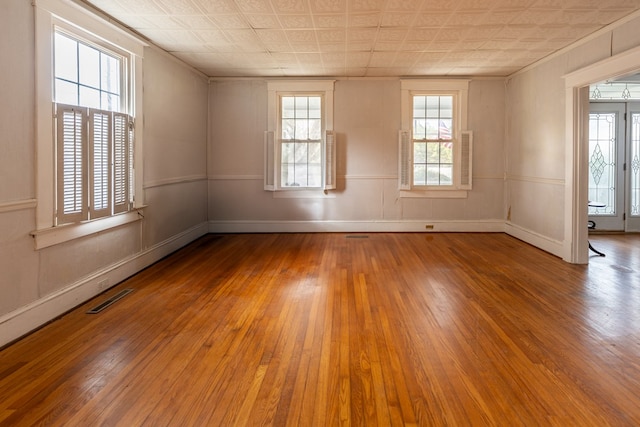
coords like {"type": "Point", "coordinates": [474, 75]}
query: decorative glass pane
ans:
{"type": "Point", "coordinates": [315, 107]}
{"type": "Point", "coordinates": [288, 129]}
{"type": "Point", "coordinates": [302, 107]}
{"type": "Point", "coordinates": [315, 129]}
{"type": "Point", "coordinates": [635, 164]}
{"type": "Point", "coordinates": [302, 130]}
{"type": "Point", "coordinates": [602, 162]}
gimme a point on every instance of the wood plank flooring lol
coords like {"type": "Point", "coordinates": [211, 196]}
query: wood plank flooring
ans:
{"type": "Point", "coordinates": [345, 329]}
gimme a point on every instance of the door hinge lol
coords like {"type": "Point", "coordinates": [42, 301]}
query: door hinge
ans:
{"type": "Point", "coordinates": [624, 216]}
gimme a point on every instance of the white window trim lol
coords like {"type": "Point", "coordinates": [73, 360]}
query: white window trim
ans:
{"type": "Point", "coordinates": [48, 14]}
{"type": "Point", "coordinates": [272, 163]}
{"type": "Point", "coordinates": [457, 87]}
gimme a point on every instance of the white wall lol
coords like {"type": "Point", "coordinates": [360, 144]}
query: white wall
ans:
{"type": "Point", "coordinates": [366, 121]}
{"type": "Point", "coordinates": [536, 142]}
{"type": "Point", "coordinates": [38, 285]}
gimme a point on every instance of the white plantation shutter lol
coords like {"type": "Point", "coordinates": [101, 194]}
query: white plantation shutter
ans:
{"type": "Point", "coordinates": [269, 161]}
{"type": "Point", "coordinates": [330, 160]}
{"type": "Point", "coordinates": [100, 136]}
{"type": "Point", "coordinates": [94, 163]}
{"type": "Point", "coordinates": [405, 165]}
{"type": "Point", "coordinates": [71, 165]}
{"type": "Point", "coordinates": [466, 157]}
{"type": "Point", "coordinates": [121, 159]}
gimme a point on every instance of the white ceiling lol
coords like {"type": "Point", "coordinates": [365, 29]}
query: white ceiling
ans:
{"type": "Point", "coordinates": [364, 38]}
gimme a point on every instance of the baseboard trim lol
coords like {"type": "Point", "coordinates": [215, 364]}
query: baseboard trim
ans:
{"type": "Point", "coordinates": [32, 316]}
{"type": "Point", "coordinates": [489, 226]}
{"type": "Point", "coordinates": [554, 247]}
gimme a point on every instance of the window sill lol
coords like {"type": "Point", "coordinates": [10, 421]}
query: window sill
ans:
{"type": "Point", "coordinates": [55, 235]}
{"type": "Point", "coordinates": [434, 194]}
{"type": "Point", "coordinates": [303, 194]}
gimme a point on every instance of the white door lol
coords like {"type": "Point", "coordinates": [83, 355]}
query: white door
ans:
{"type": "Point", "coordinates": [633, 166]}
{"type": "Point", "coordinates": [606, 165]}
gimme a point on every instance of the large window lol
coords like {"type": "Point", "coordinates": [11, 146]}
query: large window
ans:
{"type": "Point", "coordinates": [88, 161]}
{"type": "Point", "coordinates": [94, 139]}
{"type": "Point", "coordinates": [434, 146]}
{"type": "Point", "coordinates": [300, 145]}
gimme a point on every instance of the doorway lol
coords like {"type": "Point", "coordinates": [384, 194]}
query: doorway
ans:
{"type": "Point", "coordinates": [614, 165]}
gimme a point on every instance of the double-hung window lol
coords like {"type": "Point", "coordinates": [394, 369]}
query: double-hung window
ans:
{"type": "Point", "coordinates": [88, 92]}
{"type": "Point", "coordinates": [94, 138]}
{"type": "Point", "coordinates": [434, 146]}
{"type": "Point", "coordinates": [300, 144]}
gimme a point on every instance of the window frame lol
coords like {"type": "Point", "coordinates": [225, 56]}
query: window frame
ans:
{"type": "Point", "coordinates": [458, 89]}
{"type": "Point", "coordinates": [78, 19]}
{"type": "Point", "coordinates": [273, 156]}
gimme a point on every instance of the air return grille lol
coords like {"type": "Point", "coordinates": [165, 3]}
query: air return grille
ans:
{"type": "Point", "coordinates": [110, 301]}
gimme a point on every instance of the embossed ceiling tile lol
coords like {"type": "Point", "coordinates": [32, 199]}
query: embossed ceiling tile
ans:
{"type": "Point", "coordinates": [332, 36]}
{"type": "Point", "coordinates": [195, 22]}
{"type": "Point", "coordinates": [577, 17]}
{"type": "Point", "coordinates": [479, 5]}
{"type": "Point", "coordinates": [499, 17]}
{"type": "Point", "coordinates": [534, 17]}
{"type": "Point", "coordinates": [392, 34]}
{"type": "Point", "coordinates": [364, 20]}
{"type": "Point", "coordinates": [386, 46]}
{"type": "Point", "coordinates": [329, 6]}
{"type": "Point", "coordinates": [333, 59]}
{"type": "Point", "coordinates": [141, 7]}
{"type": "Point", "coordinates": [465, 18]}
{"type": "Point", "coordinates": [512, 4]}
{"type": "Point", "coordinates": [430, 57]}
{"type": "Point", "coordinates": [575, 32]}
{"type": "Point", "coordinates": [284, 58]}
{"type": "Point", "coordinates": [263, 21]}
{"type": "Point", "coordinates": [215, 37]}
{"type": "Point", "coordinates": [452, 34]}
{"type": "Point", "coordinates": [442, 46]}
{"type": "Point", "coordinates": [439, 5]}
{"type": "Point", "coordinates": [360, 34]}
{"type": "Point", "coordinates": [331, 47]}
{"type": "Point", "coordinates": [296, 21]}
{"type": "Point", "coordinates": [179, 7]}
{"type": "Point", "coordinates": [365, 5]}
{"type": "Point", "coordinates": [216, 6]}
{"type": "Point", "coordinates": [358, 59]}
{"type": "Point", "coordinates": [498, 44]}
{"type": "Point", "coordinates": [271, 35]}
{"type": "Point", "coordinates": [290, 6]}
{"type": "Point", "coordinates": [405, 59]}
{"type": "Point", "coordinates": [436, 19]}
{"type": "Point", "coordinates": [514, 32]}
{"type": "Point", "coordinates": [241, 35]}
{"type": "Point", "coordinates": [304, 47]}
{"type": "Point", "coordinates": [279, 47]}
{"type": "Point", "coordinates": [255, 6]}
{"type": "Point", "coordinates": [397, 19]}
{"type": "Point", "coordinates": [381, 59]}
{"type": "Point", "coordinates": [482, 32]}
{"type": "Point", "coordinates": [142, 22]}
{"type": "Point", "coordinates": [415, 46]}
{"type": "Point", "coordinates": [364, 45]}
{"type": "Point", "coordinates": [300, 35]}
{"type": "Point", "coordinates": [403, 5]}
{"type": "Point", "coordinates": [330, 21]}
{"type": "Point", "coordinates": [229, 21]}
{"type": "Point", "coordinates": [422, 34]}
{"type": "Point", "coordinates": [308, 58]}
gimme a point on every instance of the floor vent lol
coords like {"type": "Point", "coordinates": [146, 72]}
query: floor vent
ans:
{"type": "Point", "coordinates": [357, 236]}
{"type": "Point", "coordinates": [112, 300]}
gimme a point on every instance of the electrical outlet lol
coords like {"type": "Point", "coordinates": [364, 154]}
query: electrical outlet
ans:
{"type": "Point", "coordinates": [429, 226]}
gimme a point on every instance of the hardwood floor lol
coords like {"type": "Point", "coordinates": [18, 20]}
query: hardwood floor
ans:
{"type": "Point", "coordinates": [339, 329]}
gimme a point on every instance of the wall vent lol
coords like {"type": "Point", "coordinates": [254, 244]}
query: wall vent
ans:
{"type": "Point", "coordinates": [110, 301]}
